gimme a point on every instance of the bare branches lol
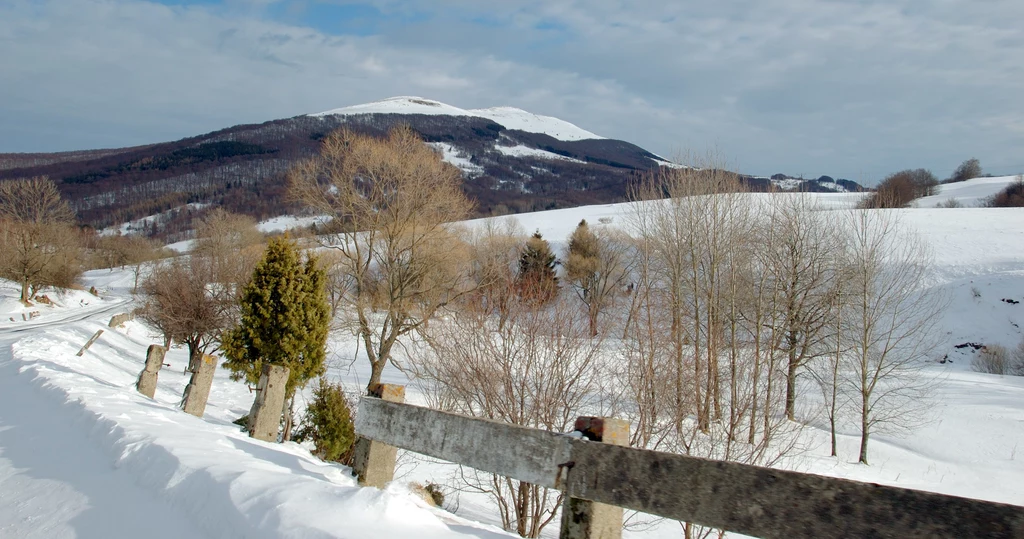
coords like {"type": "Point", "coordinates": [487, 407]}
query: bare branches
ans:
{"type": "Point", "coordinates": [392, 200]}
{"type": "Point", "coordinates": [889, 322]}
{"type": "Point", "coordinates": [38, 239]}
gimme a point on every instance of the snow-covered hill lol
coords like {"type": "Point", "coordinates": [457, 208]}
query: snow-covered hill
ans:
{"type": "Point", "coordinates": [509, 117]}
{"type": "Point", "coordinates": [969, 194]}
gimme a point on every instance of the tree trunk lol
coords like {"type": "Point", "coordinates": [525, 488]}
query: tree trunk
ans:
{"type": "Point", "coordinates": [195, 356]}
{"type": "Point", "coordinates": [864, 429]}
{"type": "Point", "coordinates": [25, 296]}
{"type": "Point", "coordinates": [289, 414]}
{"type": "Point", "coordinates": [791, 386]}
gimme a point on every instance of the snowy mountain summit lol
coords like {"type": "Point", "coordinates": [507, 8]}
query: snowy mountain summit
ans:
{"type": "Point", "coordinates": [509, 117]}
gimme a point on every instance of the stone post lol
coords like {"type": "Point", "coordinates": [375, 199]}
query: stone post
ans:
{"type": "Point", "coordinates": [147, 378]}
{"type": "Point", "coordinates": [265, 414]}
{"type": "Point", "coordinates": [119, 319]}
{"type": "Point", "coordinates": [198, 389]}
{"type": "Point", "coordinates": [373, 462]}
{"type": "Point", "coordinates": [584, 519]}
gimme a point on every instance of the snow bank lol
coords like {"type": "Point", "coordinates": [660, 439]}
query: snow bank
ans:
{"type": "Point", "coordinates": [225, 483]}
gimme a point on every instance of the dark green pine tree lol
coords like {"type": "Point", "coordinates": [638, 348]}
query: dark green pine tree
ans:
{"type": "Point", "coordinates": [537, 282]}
{"type": "Point", "coordinates": [284, 320]}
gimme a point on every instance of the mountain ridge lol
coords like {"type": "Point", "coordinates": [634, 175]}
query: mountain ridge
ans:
{"type": "Point", "coordinates": [543, 163]}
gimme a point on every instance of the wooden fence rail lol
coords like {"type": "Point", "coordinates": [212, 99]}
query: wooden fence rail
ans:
{"type": "Point", "coordinates": [751, 500]}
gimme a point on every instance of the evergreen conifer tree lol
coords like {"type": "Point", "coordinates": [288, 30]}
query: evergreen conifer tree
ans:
{"type": "Point", "coordinates": [537, 281]}
{"type": "Point", "coordinates": [284, 320]}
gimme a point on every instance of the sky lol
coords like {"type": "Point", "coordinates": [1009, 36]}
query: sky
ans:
{"type": "Point", "coordinates": [847, 88]}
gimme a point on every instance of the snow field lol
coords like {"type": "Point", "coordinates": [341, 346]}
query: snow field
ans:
{"type": "Point", "coordinates": [205, 478]}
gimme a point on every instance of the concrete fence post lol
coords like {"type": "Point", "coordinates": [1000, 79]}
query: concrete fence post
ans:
{"type": "Point", "coordinates": [198, 389]}
{"type": "Point", "coordinates": [119, 319]}
{"type": "Point", "coordinates": [373, 462]}
{"type": "Point", "coordinates": [89, 342]}
{"type": "Point", "coordinates": [146, 383]}
{"type": "Point", "coordinates": [584, 519]}
{"type": "Point", "coordinates": [265, 414]}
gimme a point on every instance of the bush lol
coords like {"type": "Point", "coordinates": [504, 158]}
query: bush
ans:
{"type": "Point", "coordinates": [996, 359]}
{"type": "Point", "coordinates": [950, 203]}
{"type": "Point", "coordinates": [900, 188]}
{"type": "Point", "coordinates": [1012, 196]}
{"type": "Point", "coordinates": [1017, 361]}
{"type": "Point", "coordinates": [328, 423]}
{"type": "Point", "coordinates": [967, 170]}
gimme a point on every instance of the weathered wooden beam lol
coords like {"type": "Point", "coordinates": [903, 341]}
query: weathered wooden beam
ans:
{"type": "Point", "coordinates": [765, 502]}
{"type": "Point", "coordinates": [521, 453]}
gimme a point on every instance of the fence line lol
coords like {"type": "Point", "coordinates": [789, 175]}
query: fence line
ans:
{"type": "Point", "coordinates": [747, 499]}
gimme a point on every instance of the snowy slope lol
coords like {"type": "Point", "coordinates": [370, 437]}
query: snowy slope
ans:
{"type": "Point", "coordinates": [127, 455]}
{"type": "Point", "coordinates": [511, 118]}
{"type": "Point", "coordinates": [970, 193]}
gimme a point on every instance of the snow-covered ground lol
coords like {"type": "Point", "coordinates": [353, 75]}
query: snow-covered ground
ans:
{"type": "Point", "coordinates": [454, 156]}
{"type": "Point", "coordinates": [84, 455]}
{"type": "Point", "coordinates": [282, 223]}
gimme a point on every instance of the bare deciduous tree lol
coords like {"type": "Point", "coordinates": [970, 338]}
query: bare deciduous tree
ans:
{"type": "Point", "coordinates": [232, 245]}
{"type": "Point", "coordinates": [597, 266]}
{"type": "Point", "coordinates": [889, 321]}
{"type": "Point", "coordinates": [40, 245]}
{"type": "Point", "coordinates": [392, 200]}
{"type": "Point", "coordinates": [800, 264]}
{"type": "Point", "coordinates": [182, 299]}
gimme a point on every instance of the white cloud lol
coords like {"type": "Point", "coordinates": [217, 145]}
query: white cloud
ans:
{"type": "Point", "coordinates": [847, 88]}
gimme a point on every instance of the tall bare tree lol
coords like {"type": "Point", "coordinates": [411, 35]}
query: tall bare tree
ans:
{"type": "Point", "coordinates": [232, 245]}
{"type": "Point", "coordinates": [688, 236]}
{"type": "Point", "coordinates": [800, 264]}
{"type": "Point", "coordinates": [889, 321]}
{"type": "Point", "coordinates": [392, 200]}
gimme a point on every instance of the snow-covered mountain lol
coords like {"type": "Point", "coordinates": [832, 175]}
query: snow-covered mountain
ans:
{"type": "Point", "coordinates": [510, 117]}
{"type": "Point", "coordinates": [512, 160]}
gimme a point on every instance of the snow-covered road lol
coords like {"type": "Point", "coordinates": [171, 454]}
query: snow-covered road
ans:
{"type": "Point", "coordinates": [53, 486]}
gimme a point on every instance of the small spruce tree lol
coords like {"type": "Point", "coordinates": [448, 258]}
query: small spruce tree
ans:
{"type": "Point", "coordinates": [537, 282]}
{"type": "Point", "coordinates": [284, 321]}
{"type": "Point", "coordinates": [328, 423]}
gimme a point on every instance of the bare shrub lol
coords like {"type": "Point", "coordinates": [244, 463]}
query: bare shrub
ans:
{"type": "Point", "coordinates": [1017, 360]}
{"type": "Point", "coordinates": [538, 369]}
{"type": "Point", "coordinates": [40, 245]}
{"type": "Point", "coordinates": [1011, 196]}
{"type": "Point", "coordinates": [900, 188]}
{"type": "Point", "coordinates": [993, 359]}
